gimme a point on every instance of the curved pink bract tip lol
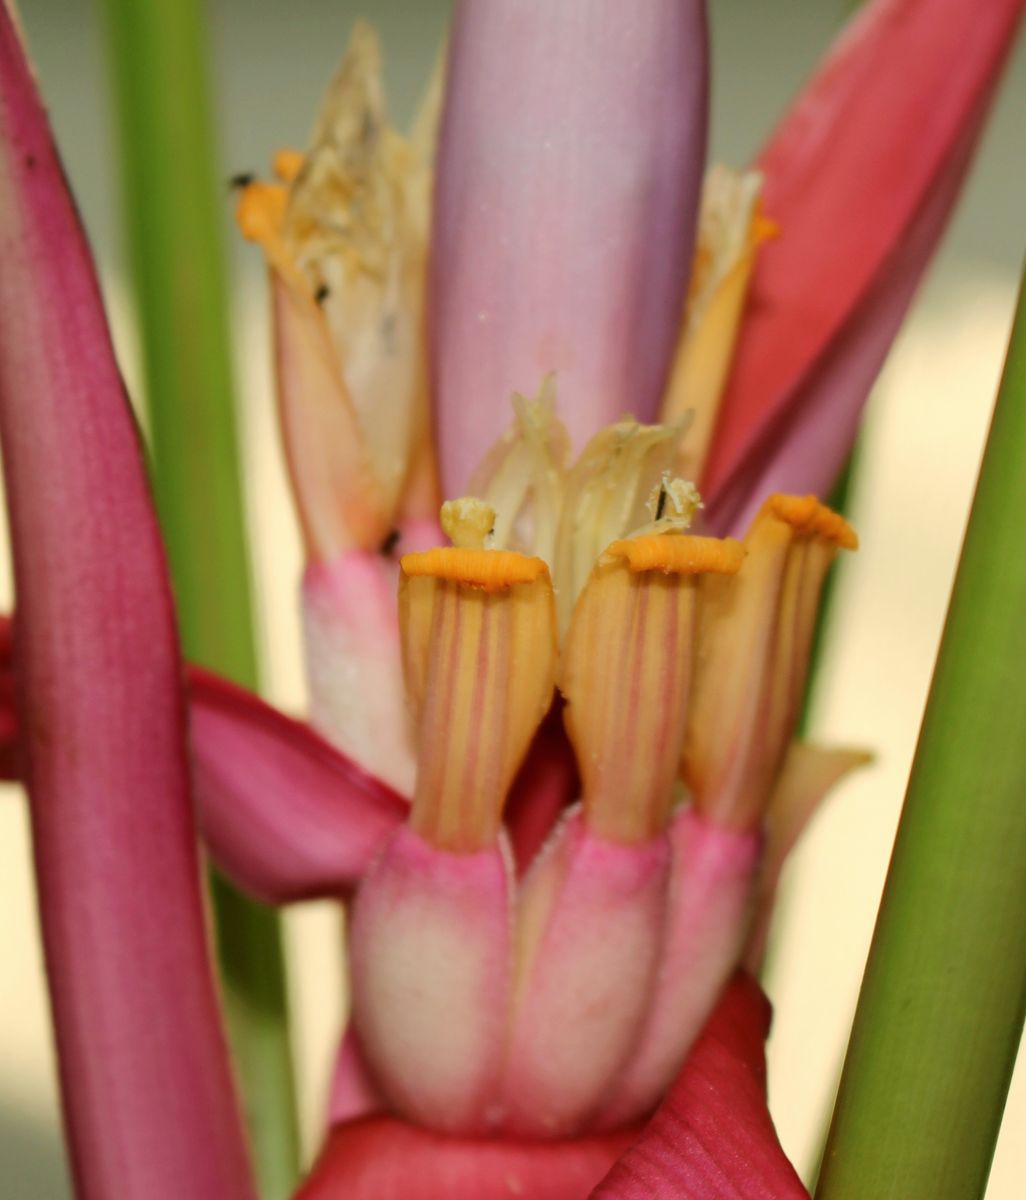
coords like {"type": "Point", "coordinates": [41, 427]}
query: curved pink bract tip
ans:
{"type": "Point", "coordinates": [572, 150]}
{"type": "Point", "coordinates": [861, 176]}
{"type": "Point", "coordinates": [713, 1136]}
{"type": "Point", "coordinates": [148, 1104]}
{"type": "Point", "coordinates": [283, 814]}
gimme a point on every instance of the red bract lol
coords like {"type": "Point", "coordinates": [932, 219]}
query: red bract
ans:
{"type": "Point", "coordinates": [861, 176]}
{"type": "Point", "coordinates": [712, 1136]}
{"type": "Point", "coordinates": [382, 1158]}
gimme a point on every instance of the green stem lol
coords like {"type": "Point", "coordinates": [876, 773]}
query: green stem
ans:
{"type": "Point", "coordinates": [942, 1004]}
{"type": "Point", "coordinates": [174, 226]}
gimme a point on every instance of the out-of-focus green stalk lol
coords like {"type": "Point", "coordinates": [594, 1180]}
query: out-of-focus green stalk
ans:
{"type": "Point", "coordinates": [172, 215]}
{"type": "Point", "coordinates": [942, 1004]}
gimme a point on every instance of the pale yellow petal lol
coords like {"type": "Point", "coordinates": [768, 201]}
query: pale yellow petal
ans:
{"type": "Point", "coordinates": [731, 230]}
{"type": "Point", "coordinates": [606, 497]}
{"type": "Point", "coordinates": [522, 476]}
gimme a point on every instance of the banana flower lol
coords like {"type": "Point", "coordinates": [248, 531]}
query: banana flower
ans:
{"type": "Point", "coordinates": [559, 778]}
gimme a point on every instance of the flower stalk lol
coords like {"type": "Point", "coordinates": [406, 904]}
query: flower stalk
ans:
{"type": "Point", "coordinates": [941, 1010]}
{"type": "Point", "coordinates": [157, 57]}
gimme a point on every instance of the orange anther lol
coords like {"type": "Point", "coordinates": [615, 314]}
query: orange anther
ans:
{"type": "Point", "coordinates": [260, 211]}
{"type": "Point", "coordinates": [490, 570]}
{"type": "Point", "coordinates": [807, 515]}
{"type": "Point", "coordinates": [680, 554]}
{"type": "Point", "coordinates": [287, 163]}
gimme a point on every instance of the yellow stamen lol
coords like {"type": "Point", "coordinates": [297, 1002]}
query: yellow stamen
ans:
{"type": "Point", "coordinates": [626, 674]}
{"type": "Point", "coordinates": [479, 651]}
{"type": "Point", "coordinates": [490, 570]}
{"type": "Point", "coordinates": [755, 637]}
{"type": "Point", "coordinates": [605, 498]}
{"type": "Point", "coordinates": [620, 486]}
{"type": "Point", "coordinates": [807, 515]}
{"type": "Point", "coordinates": [679, 555]}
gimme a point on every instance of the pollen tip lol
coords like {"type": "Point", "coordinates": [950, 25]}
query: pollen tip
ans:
{"type": "Point", "coordinates": [808, 515]}
{"type": "Point", "coordinates": [260, 211]}
{"type": "Point", "coordinates": [489, 570]}
{"type": "Point", "coordinates": [679, 554]}
{"type": "Point", "coordinates": [287, 163]}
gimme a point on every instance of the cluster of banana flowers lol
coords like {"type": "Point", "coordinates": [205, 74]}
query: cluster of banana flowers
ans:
{"type": "Point", "coordinates": [557, 777]}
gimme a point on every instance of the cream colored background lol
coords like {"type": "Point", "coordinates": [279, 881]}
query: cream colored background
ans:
{"type": "Point", "coordinates": [927, 422]}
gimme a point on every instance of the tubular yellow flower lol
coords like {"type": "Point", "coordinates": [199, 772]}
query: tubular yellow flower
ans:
{"type": "Point", "coordinates": [479, 648]}
{"type": "Point", "coordinates": [756, 636]}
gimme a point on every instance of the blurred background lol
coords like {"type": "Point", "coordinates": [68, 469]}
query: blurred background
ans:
{"type": "Point", "coordinates": [921, 447]}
